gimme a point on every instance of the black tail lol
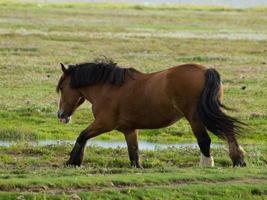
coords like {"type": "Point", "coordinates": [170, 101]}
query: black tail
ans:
{"type": "Point", "coordinates": [210, 108]}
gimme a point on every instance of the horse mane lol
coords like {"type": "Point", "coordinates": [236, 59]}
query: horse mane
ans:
{"type": "Point", "coordinates": [99, 71]}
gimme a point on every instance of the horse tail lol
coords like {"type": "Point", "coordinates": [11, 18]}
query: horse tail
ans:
{"type": "Point", "coordinates": [210, 111]}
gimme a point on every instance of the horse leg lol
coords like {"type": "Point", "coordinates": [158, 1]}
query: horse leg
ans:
{"type": "Point", "coordinates": [236, 152]}
{"type": "Point", "coordinates": [131, 137]}
{"type": "Point", "coordinates": [204, 141]}
{"type": "Point", "coordinates": [76, 155]}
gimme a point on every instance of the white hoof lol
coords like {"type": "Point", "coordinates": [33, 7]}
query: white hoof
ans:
{"type": "Point", "coordinates": [206, 161]}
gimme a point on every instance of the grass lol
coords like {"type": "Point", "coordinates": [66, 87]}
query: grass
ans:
{"type": "Point", "coordinates": [35, 38]}
{"type": "Point", "coordinates": [35, 172]}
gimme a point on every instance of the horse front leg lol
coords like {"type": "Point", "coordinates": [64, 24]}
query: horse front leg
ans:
{"type": "Point", "coordinates": [131, 137]}
{"type": "Point", "coordinates": [76, 155]}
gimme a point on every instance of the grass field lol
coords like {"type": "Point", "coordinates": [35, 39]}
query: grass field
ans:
{"type": "Point", "coordinates": [35, 38]}
{"type": "Point", "coordinates": [38, 173]}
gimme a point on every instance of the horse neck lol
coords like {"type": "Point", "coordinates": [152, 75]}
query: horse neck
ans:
{"type": "Point", "coordinates": [91, 92]}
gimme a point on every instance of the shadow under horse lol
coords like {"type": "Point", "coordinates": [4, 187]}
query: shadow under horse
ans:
{"type": "Point", "coordinates": [126, 100]}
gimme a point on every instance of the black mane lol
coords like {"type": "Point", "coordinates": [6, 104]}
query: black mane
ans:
{"type": "Point", "coordinates": [86, 74]}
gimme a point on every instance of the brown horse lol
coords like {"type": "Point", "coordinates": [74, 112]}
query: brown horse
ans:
{"type": "Point", "coordinates": [126, 100]}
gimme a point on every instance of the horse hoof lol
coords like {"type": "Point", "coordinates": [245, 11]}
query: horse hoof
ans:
{"type": "Point", "coordinates": [206, 161]}
{"type": "Point", "coordinates": [136, 165]}
{"type": "Point", "coordinates": [239, 163]}
{"type": "Point", "coordinates": [139, 166]}
{"type": "Point", "coordinates": [74, 163]}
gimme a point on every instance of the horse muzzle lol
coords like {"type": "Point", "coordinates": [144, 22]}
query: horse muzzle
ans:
{"type": "Point", "coordinates": [63, 117]}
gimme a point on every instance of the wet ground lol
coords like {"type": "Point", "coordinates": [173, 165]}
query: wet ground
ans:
{"type": "Point", "coordinates": [143, 145]}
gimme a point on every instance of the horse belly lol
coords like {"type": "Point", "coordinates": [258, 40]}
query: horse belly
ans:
{"type": "Point", "coordinates": [146, 119]}
{"type": "Point", "coordinates": [158, 123]}
{"type": "Point", "coordinates": [149, 105]}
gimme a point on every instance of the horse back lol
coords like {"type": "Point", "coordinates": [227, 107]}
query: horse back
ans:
{"type": "Point", "coordinates": [159, 99]}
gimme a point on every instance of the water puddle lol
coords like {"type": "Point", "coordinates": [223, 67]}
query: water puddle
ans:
{"type": "Point", "coordinates": [143, 145]}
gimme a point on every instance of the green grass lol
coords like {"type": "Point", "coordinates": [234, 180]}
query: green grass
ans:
{"type": "Point", "coordinates": [37, 171]}
{"type": "Point", "coordinates": [35, 38]}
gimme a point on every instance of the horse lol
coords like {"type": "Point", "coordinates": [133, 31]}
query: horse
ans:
{"type": "Point", "coordinates": [125, 99]}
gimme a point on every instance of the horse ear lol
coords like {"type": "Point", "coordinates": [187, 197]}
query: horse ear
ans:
{"type": "Point", "coordinates": [63, 68]}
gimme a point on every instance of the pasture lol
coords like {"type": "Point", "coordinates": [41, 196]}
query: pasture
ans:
{"type": "Point", "coordinates": [35, 38]}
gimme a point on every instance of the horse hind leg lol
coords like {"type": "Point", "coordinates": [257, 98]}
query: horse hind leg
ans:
{"type": "Point", "coordinates": [236, 152]}
{"type": "Point", "coordinates": [204, 141]}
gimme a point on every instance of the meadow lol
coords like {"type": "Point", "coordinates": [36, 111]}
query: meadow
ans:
{"type": "Point", "coordinates": [35, 38]}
